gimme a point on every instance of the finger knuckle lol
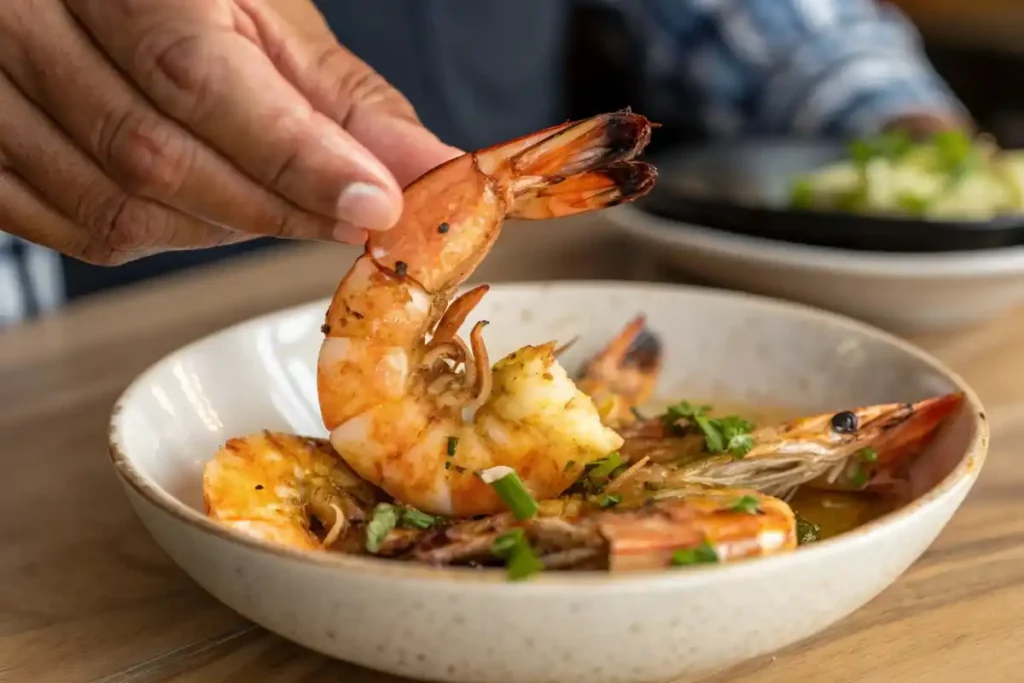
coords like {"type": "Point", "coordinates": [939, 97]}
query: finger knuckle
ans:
{"type": "Point", "coordinates": [146, 156]}
{"type": "Point", "coordinates": [188, 64]}
{"type": "Point", "coordinates": [120, 226]}
{"type": "Point", "coordinates": [354, 81]}
{"type": "Point", "coordinates": [133, 227]}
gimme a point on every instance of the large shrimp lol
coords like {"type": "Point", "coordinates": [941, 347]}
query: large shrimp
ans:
{"type": "Point", "coordinates": [723, 524]}
{"type": "Point", "coordinates": [622, 376]}
{"type": "Point", "coordinates": [855, 450]}
{"type": "Point", "coordinates": [419, 417]}
{"type": "Point", "coordinates": [289, 490]}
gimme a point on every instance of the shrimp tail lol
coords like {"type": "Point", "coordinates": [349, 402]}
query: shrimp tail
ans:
{"type": "Point", "coordinates": [582, 166]}
{"type": "Point", "coordinates": [623, 375]}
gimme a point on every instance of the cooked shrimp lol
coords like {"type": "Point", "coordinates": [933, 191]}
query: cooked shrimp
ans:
{"type": "Point", "coordinates": [723, 524]}
{"type": "Point", "coordinates": [623, 375]}
{"type": "Point", "coordinates": [417, 416]}
{"type": "Point", "coordinates": [280, 488]}
{"type": "Point", "coordinates": [860, 449]}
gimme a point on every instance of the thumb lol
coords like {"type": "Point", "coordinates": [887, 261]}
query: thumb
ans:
{"type": "Point", "coordinates": [344, 88]}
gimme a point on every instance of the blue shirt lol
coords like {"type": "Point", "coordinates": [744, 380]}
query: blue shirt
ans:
{"type": "Point", "coordinates": [482, 71]}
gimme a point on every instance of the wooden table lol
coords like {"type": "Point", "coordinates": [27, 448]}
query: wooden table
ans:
{"type": "Point", "coordinates": [85, 595]}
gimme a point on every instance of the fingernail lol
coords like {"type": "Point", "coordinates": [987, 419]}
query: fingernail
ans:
{"type": "Point", "coordinates": [367, 206]}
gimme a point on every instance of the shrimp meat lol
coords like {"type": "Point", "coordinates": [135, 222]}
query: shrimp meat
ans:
{"type": "Point", "coordinates": [410, 405]}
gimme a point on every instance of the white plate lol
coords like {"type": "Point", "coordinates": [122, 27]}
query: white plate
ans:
{"type": "Point", "coordinates": [466, 625]}
{"type": "Point", "coordinates": [901, 292]}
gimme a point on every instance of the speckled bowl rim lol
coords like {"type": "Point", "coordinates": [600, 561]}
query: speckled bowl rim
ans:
{"type": "Point", "coordinates": [964, 474]}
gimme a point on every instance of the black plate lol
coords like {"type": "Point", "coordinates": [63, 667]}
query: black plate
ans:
{"type": "Point", "coordinates": [744, 187]}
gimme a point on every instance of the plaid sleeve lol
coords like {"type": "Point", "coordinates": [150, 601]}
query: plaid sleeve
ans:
{"type": "Point", "coordinates": [783, 66]}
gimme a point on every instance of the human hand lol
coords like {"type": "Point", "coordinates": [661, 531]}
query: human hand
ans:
{"type": "Point", "coordinates": [129, 127]}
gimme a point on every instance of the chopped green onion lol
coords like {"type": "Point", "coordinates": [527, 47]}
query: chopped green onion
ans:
{"type": "Point", "coordinates": [417, 519]}
{"type": "Point", "coordinates": [702, 554]}
{"type": "Point", "coordinates": [747, 504]}
{"type": "Point", "coordinates": [453, 442]}
{"type": "Point", "coordinates": [637, 414]}
{"type": "Point", "coordinates": [869, 454]}
{"type": "Point", "coordinates": [609, 501]}
{"type": "Point", "coordinates": [806, 531]}
{"type": "Point", "coordinates": [569, 465]}
{"type": "Point", "coordinates": [605, 466]}
{"type": "Point", "coordinates": [382, 521]}
{"type": "Point", "coordinates": [510, 488]}
{"type": "Point", "coordinates": [859, 476]}
{"type": "Point", "coordinates": [519, 557]}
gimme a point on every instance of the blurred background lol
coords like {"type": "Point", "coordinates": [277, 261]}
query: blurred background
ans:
{"type": "Point", "coordinates": [976, 45]}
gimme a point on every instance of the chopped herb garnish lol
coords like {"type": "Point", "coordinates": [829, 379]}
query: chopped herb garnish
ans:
{"type": "Point", "coordinates": [511, 490]}
{"type": "Point", "coordinates": [417, 519]}
{"type": "Point", "coordinates": [609, 501]}
{"type": "Point", "coordinates": [569, 465]}
{"type": "Point", "coordinates": [806, 531]}
{"type": "Point", "coordinates": [868, 454]}
{"type": "Point", "coordinates": [447, 464]}
{"type": "Point", "coordinates": [460, 469]}
{"type": "Point", "coordinates": [605, 466]}
{"type": "Point", "coordinates": [730, 434]}
{"type": "Point", "coordinates": [637, 414]}
{"type": "Point", "coordinates": [383, 520]}
{"type": "Point", "coordinates": [519, 557]}
{"type": "Point", "coordinates": [747, 504]}
{"type": "Point", "coordinates": [702, 554]}
{"type": "Point", "coordinates": [453, 442]}
{"type": "Point", "coordinates": [859, 476]}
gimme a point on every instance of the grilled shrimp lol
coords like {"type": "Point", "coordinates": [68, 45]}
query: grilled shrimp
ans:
{"type": "Point", "coordinates": [623, 375]}
{"type": "Point", "coordinates": [286, 489]}
{"type": "Point", "coordinates": [694, 525]}
{"type": "Point", "coordinates": [410, 405]}
{"type": "Point", "coordinates": [855, 450]}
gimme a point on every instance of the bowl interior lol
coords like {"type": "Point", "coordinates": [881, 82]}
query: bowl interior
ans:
{"type": "Point", "coordinates": [719, 346]}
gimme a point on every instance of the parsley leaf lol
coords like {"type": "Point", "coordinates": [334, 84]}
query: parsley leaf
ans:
{"type": "Point", "coordinates": [604, 467]}
{"type": "Point", "coordinates": [806, 531]}
{"type": "Point", "coordinates": [702, 554]}
{"type": "Point", "coordinates": [730, 434]}
{"type": "Point", "coordinates": [747, 504]}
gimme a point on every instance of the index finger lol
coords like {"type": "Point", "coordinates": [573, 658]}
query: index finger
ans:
{"type": "Point", "coordinates": [194, 65]}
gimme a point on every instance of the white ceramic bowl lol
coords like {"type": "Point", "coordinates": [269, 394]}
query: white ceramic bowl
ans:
{"type": "Point", "coordinates": [466, 625]}
{"type": "Point", "coordinates": [905, 293]}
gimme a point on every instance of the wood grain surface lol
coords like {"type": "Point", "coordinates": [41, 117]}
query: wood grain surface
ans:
{"type": "Point", "coordinates": [85, 595]}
